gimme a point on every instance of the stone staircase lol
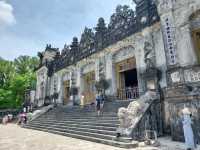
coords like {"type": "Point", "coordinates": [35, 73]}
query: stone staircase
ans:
{"type": "Point", "coordinates": [83, 123]}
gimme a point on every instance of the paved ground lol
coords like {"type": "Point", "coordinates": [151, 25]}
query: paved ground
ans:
{"type": "Point", "coordinates": [12, 137]}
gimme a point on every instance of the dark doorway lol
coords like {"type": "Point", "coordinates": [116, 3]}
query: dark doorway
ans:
{"type": "Point", "coordinates": [130, 77]}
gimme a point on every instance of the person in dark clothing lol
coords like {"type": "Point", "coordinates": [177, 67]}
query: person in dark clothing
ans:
{"type": "Point", "coordinates": [98, 104]}
{"type": "Point", "coordinates": [102, 103]}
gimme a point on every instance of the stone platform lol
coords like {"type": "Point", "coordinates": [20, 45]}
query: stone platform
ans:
{"type": "Point", "coordinates": [13, 137]}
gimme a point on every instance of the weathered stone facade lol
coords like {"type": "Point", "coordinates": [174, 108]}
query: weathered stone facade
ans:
{"type": "Point", "coordinates": [157, 36]}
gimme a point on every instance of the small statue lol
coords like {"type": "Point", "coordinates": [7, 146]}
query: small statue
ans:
{"type": "Point", "coordinates": [187, 129]}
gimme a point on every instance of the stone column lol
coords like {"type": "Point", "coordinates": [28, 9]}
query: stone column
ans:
{"type": "Point", "coordinates": [37, 87]}
{"type": "Point", "coordinates": [185, 45]}
{"type": "Point", "coordinates": [60, 87]}
{"type": "Point", "coordinates": [97, 70]}
{"type": "Point", "coordinates": [110, 75]}
{"type": "Point", "coordinates": [78, 83]}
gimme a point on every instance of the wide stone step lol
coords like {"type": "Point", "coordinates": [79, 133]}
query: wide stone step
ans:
{"type": "Point", "coordinates": [89, 138]}
{"type": "Point", "coordinates": [83, 123]}
{"type": "Point", "coordinates": [75, 114]}
{"type": "Point", "coordinates": [94, 127]}
{"type": "Point", "coordinates": [109, 124]}
{"type": "Point", "coordinates": [74, 131]}
{"type": "Point", "coordinates": [80, 119]}
{"type": "Point", "coordinates": [98, 131]}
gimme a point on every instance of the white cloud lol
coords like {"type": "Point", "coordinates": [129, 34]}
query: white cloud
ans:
{"type": "Point", "coordinates": [6, 14]}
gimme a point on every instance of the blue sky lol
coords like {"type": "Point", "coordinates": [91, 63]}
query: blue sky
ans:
{"type": "Point", "coordinates": [26, 26]}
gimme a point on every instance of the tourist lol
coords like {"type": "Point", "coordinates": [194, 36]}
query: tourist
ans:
{"type": "Point", "coordinates": [24, 109]}
{"type": "Point", "coordinates": [10, 117]}
{"type": "Point", "coordinates": [98, 104]}
{"type": "Point", "coordinates": [187, 129]}
{"type": "Point", "coordinates": [5, 120]}
{"type": "Point", "coordinates": [102, 103]}
{"type": "Point", "coordinates": [82, 100]}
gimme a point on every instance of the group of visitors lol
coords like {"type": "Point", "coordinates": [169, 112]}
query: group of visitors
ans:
{"type": "Point", "coordinates": [99, 102]}
{"type": "Point", "coordinates": [24, 115]}
{"type": "Point", "coordinates": [21, 118]}
{"type": "Point", "coordinates": [7, 118]}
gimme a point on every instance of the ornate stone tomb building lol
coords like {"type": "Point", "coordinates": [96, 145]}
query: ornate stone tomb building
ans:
{"type": "Point", "coordinates": [157, 46]}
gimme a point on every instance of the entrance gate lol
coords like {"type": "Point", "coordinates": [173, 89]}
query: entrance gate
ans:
{"type": "Point", "coordinates": [66, 91]}
{"type": "Point", "coordinates": [127, 83]}
{"type": "Point", "coordinates": [89, 87]}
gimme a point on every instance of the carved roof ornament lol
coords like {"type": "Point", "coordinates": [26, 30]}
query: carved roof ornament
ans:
{"type": "Point", "coordinates": [137, 1]}
{"type": "Point", "coordinates": [65, 50]}
{"type": "Point", "coordinates": [101, 30]}
{"type": "Point", "coordinates": [87, 39]}
{"type": "Point", "coordinates": [50, 48]}
{"type": "Point", "coordinates": [74, 44]}
{"type": "Point", "coordinates": [101, 26]}
{"type": "Point", "coordinates": [122, 18]}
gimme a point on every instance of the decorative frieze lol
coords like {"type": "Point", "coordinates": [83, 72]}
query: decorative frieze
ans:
{"type": "Point", "coordinates": [176, 77]}
{"type": "Point", "coordinates": [124, 53]}
{"type": "Point", "coordinates": [88, 68]}
{"type": "Point", "coordinates": [192, 75]}
{"type": "Point", "coordinates": [66, 77]}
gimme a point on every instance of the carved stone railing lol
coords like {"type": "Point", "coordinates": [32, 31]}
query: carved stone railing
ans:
{"type": "Point", "coordinates": [151, 120]}
{"type": "Point", "coordinates": [141, 115]}
{"type": "Point", "coordinates": [128, 93]}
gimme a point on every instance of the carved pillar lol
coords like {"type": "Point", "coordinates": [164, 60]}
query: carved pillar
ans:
{"type": "Point", "coordinates": [78, 83]}
{"type": "Point", "coordinates": [110, 75]}
{"type": "Point", "coordinates": [185, 47]}
{"type": "Point", "coordinates": [81, 81]}
{"type": "Point", "coordinates": [97, 69]}
{"type": "Point", "coordinates": [60, 87]}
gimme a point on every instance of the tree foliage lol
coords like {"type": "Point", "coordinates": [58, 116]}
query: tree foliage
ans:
{"type": "Point", "coordinates": [7, 72]}
{"type": "Point", "coordinates": [25, 64]}
{"type": "Point", "coordinates": [15, 78]}
{"type": "Point", "coordinates": [102, 85]}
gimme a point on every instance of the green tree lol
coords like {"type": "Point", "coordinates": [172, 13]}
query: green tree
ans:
{"type": "Point", "coordinates": [15, 78]}
{"type": "Point", "coordinates": [102, 85]}
{"type": "Point", "coordinates": [7, 72]}
{"type": "Point", "coordinates": [25, 64]}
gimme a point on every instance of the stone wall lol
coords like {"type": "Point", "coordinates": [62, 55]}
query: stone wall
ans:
{"type": "Point", "coordinates": [176, 28]}
{"type": "Point", "coordinates": [176, 98]}
{"type": "Point", "coordinates": [41, 81]}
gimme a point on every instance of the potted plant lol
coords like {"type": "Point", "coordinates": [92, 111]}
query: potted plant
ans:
{"type": "Point", "coordinates": [102, 85]}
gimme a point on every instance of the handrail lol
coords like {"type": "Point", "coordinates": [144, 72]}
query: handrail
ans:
{"type": "Point", "coordinates": [128, 93]}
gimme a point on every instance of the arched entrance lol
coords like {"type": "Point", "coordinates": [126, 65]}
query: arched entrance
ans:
{"type": "Point", "coordinates": [89, 87]}
{"type": "Point", "coordinates": [66, 95]}
{"type": "Point", "coordinates": [87, 81]}
{"type": "Point", "coordinates": [66, 87]}
{"type": "Point", "coordinates": [125, 73]}
{"type": "Point", "coordinates": [127, 80]}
